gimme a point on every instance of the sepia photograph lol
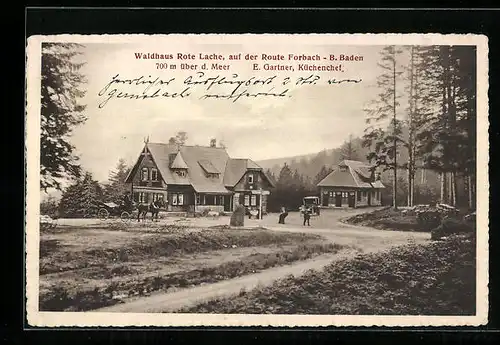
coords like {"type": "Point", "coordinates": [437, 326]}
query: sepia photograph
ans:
{"type": "Point", "coordinates": [296, 180]}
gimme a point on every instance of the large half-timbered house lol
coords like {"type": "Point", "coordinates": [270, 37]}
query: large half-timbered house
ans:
{"type": "Point", "coordinates": [195, 178]}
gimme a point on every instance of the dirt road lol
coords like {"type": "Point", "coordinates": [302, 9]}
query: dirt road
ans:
{"type": "Point", "coordinates": [359, 239]}
{"type": "Point", "coordinates": [170, 302]}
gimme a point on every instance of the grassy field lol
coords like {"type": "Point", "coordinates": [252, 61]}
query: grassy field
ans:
{"type": "Point", "coordinates": [84, 269]}
{"type": "Point", "coordinates": [437, 278]}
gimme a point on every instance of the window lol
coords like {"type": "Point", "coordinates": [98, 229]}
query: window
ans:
{"type": "Point", "coordinates": [221, 200]}
{"type": "Point", "coordinates": [198, 199]}
{"type": "Point", "coordinates": [364, 194]}
{"type": "Point", "coordinates": [154, 174]}
{"type": "Point", "coordinates": [250, 178]}
{"type": "Point", "coordinates": [331, 194]}
{"type": "Point", "coordinates": [181, 173]}
{"type": "Point", "coordinates": [143, 197]}
{"type": "Point", "coordinates": [344, 194]}
{"type": "Point", "coordinates": [157, 196]}
{"type": "Point", "coordinates": [177, 199]}
{"type": "Point", "coordinates": [144, 174]}
{"type": "Point", "coordinates": [359, 196]}
{"type": "Point", "coordinates": [247, 200]}
{"type": "Point", "coordinates": [343, 168]}
{"type": "Point", "coordinates": [254, 200]}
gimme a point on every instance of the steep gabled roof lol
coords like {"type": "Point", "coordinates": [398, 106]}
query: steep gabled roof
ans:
{"type": "Point", "coordinates": [199, 160]}
{"type": "Point", "coordinates": [179, 162]}
{"type": "Point", "coordinates": [358, 174]}
{"type": "Point", "coordinates": [234, 171]}
{"type": "Point", "coordinates": [339, 178]}
{"type": "Point", "coordinates": [237, 167]}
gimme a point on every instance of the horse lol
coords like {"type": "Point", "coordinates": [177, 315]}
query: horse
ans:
{"type": "Point", "coordinates": [144, 209]}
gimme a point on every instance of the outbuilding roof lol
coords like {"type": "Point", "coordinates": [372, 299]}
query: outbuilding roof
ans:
{"type": "Point", "coordinates": [351, 173]}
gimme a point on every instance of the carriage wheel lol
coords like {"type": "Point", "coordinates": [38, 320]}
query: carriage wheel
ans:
{"type": "Point", "coordinates": [102, 214]}
{"type": "Point", "coordinates": [125, 216]}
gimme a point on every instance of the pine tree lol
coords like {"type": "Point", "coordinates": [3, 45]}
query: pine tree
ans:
{"type": "Point", "coordinates": [348, 151]}
{"type": "Point", "coordinates": [70, 200]}
{"type": "Point", "coordinates": [415, 119]}
{"type": "Point", "coordinates": [383, 141]}
{"type": "Point", "coordinates": [324, 172]}
{"type": "Point", "coordinates": [60, 113]}
{"type": "Point", "coordinates": [82, 199]}
{"type": "Point", "coordinates": [449, 136]}
{"type": "Point", "coordinates": [116, 188]}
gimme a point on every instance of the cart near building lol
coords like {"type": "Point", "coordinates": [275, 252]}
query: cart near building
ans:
{"type": "Point", "coordinates": [112, 210]}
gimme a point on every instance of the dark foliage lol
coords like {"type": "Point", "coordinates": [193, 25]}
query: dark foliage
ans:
{"type": "Point", "coordinates": [433, 279]}
{"type": "Point", "coordinates": [61, 112]}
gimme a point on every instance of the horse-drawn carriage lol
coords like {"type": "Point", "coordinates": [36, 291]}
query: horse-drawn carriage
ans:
{"type": "Point", "coordinates": [110, 209]}
{"type": "Point", "coordinates": [127, 212]}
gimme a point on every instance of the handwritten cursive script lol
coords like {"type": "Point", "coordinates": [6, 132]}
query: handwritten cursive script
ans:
{"type": "Point", "coordinates": [231, 87]}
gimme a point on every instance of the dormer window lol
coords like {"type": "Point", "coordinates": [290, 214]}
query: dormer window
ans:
{"type": "Point", "coordinates": [343, 168]}
{"type": "Point", "coordinates": [250, 178]}
{"type": "Point", "coordinates": [181, 172]}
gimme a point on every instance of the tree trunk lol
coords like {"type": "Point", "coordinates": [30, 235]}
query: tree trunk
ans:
{"type": "Point", "coordinates": [394, 199]}
{"type": "Point", "coordinates": [442, 178]}
{"type": "Point", "coordinates": [469, 191]}
{"type": "Point", "coordinates": [410, 128]}
{"type": "Point", "coordinates": [453, 189]}
{"type": "Point", "coordinates": [412, 188]}
{"type": "Point", "coordinates": [409, 188]}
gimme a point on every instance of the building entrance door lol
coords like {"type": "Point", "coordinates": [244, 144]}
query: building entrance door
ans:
{"type": "Point", "coordinates": [227, 203]}
{"type": "Point", "coordinates": [352, 199]}
{"type": "Point", "coordinates": [325, 199]}
{"type": "Point", "coordinates": [338, 199]}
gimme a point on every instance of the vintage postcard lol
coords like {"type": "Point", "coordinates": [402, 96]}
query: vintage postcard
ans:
{"type": "Point", "coordinates": [257, 180]}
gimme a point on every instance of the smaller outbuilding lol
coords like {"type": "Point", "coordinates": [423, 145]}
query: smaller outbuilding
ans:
{"type": "Point", "coordinates": [351, 184]}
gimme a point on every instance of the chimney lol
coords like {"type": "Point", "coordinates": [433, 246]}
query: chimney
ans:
{"type": "Point", "coordinates": [213, 142]}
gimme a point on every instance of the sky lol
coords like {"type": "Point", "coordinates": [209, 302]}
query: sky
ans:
{"type": "Point", "coordinates": [311, 118]}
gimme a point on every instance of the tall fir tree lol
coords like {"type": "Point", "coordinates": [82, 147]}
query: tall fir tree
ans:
{"type": "Point", "coordinates": [382, 140]}
{"type": "Point", "coordinates": [116, 187]}
{"type": "Point", "coordinates": [448, 141]}
{"type": "Point", "coordinates": [348, 149]}
{"type": "Point", "coordinates": [61, 112]}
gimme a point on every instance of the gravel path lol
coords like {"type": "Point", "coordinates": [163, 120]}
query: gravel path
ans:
{"type": "Point", "coordinates": [360, 239]}
{"type": "Point", "coordinates": [169, 302]}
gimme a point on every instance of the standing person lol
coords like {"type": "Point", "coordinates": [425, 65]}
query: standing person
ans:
{"type": "Point", "coordinates": [307, 216]}
{"type": "Point", "coordinates": [127, 201]}
{"type": "Point", "coordinates": [283, 215]}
